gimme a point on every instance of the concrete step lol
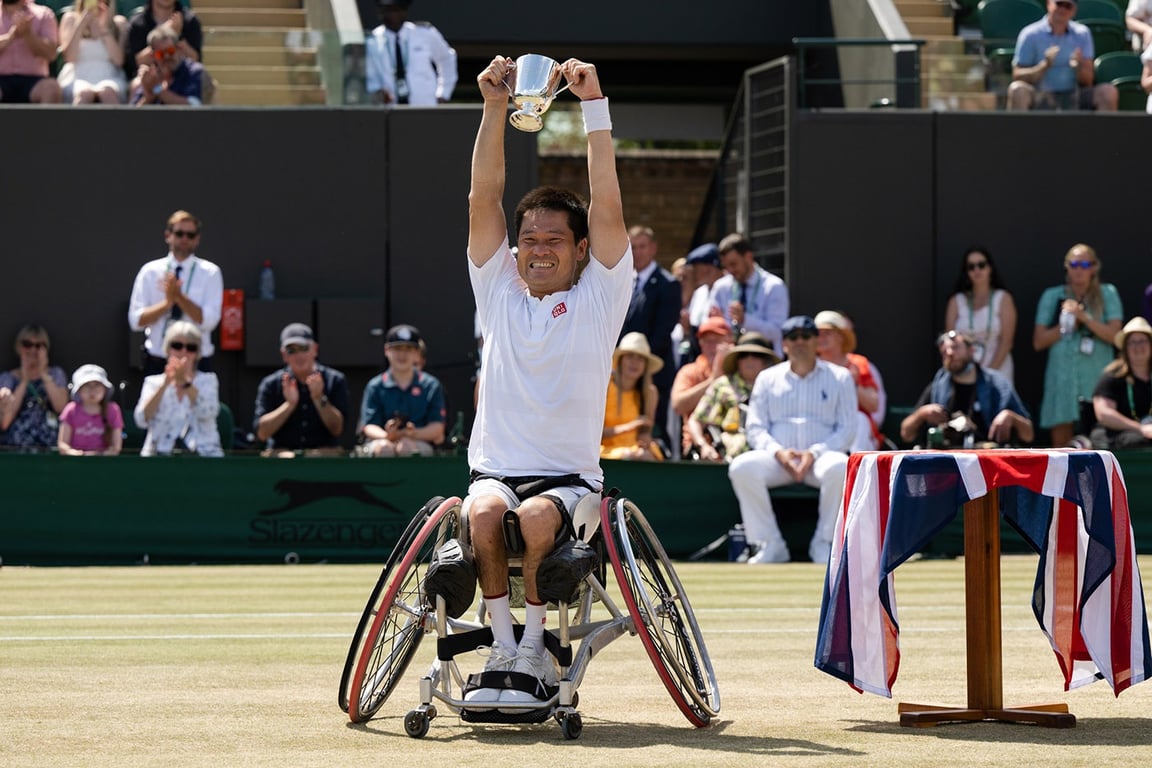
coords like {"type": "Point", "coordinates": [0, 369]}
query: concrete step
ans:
{"type": "Point", "coordinates": [269, 95]}
{"type": "Point", "coordinates": [923, 26]}
{"type": "Point", "coordinates": [909, 8]}
{"type": "Point", "coordinates": [960, 102]}
{"type": "Point", "coordinates": [254, 17]}
{"type": "Point", "coordinates": [959, 73]}
{"type": "Point", "coordinates": [225, 4]}
{"type": "Point", "coordinates": [259, 56]}
{"type": "Point", "coordinates": [240, 37]}
{"type": "Point", "coordinates": [233, 75]}
{"type": "Point", "coordinates": [941, 44]}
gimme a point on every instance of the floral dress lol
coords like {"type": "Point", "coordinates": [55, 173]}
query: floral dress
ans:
{"type": "Point", "coordinates": [36, 425]}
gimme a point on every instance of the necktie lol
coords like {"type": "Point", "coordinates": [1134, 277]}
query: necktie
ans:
{"type": "Point", "coordinates": [177, 313]}
{"type": "Point", "coordinates": [636, 285]}
{"type": "Point", "coordinates": [401, 84]}
{"type": "Point", "coordinates": [744, 295]}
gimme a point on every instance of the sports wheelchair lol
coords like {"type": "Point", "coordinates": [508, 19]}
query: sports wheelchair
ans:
{"type": "Point", "coordinates": [403, 608]}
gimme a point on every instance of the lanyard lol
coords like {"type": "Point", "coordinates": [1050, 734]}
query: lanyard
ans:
{"type": "Point", "coordinates": [753, 290]}
{"type": "Point", "coordinates": [187, 280]}
{"type": "Point", "coordinates": [1132, 400]}
{"type": "Point", "coordinates": [972, 314]}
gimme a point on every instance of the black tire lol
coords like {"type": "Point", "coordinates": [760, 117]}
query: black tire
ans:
{"type": "Point", "coordinates": [416, 724]}
{"type": "Point", "coordinates": [396, 615]}
{"type": "Point", "coordinates": [660, 610]}
{"type": "Point", "coordinates": [572, 725]}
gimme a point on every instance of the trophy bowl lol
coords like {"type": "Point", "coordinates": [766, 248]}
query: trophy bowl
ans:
{"type": "Point", "coordinates": [534, 81]}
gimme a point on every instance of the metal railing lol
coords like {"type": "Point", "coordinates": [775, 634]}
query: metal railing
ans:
{"type": "Point", "coordinates": [874, 81]}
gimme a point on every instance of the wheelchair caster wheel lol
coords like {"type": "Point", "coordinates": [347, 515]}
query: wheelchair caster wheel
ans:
{"type": "Point", "coordinates": [416, 724]}
{"type": "Point", "coordinates": [571, 726]}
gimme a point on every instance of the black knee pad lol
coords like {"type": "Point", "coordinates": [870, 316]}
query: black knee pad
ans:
{"type": "Point", "coordinates": [452, 575]}
{"type": "Point", "coordinates": [560, 574]}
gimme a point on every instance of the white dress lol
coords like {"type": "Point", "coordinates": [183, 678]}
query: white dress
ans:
{"type": "Point", "coordinates": [984, 325]}
{"type": "Point", "coordinates": [93, 68]}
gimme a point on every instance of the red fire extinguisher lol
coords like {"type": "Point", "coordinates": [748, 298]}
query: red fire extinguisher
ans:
{"type": "Point", "coordinates": [232, 320]}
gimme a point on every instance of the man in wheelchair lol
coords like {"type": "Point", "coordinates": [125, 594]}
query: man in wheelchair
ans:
{"type": "Point", "coordinates": [548, 341]}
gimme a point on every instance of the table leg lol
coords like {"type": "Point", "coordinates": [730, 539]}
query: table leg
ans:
{"type": "Point", "coordinates": [982, 617]}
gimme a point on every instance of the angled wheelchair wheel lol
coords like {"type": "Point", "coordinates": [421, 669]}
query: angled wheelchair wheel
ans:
{"type": "Point", "coordinates": [394, 619]}
{"type": "Point", "coordinates": [660, 610]}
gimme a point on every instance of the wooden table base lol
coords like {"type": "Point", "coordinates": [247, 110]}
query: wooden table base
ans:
{"type": "Point", "coordinates": [982, 617]}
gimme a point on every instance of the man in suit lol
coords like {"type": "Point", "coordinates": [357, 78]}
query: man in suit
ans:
{"type": "Point", "coordinates": [654, 311]}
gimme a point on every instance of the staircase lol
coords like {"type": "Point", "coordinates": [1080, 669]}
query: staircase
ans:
{"type": "Point", "coordinates": [260, 52]}
{"type": "Point", "coordinates": [951, 78]}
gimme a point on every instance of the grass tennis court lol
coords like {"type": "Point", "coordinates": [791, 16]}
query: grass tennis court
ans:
{"type": "Point", "coordinates": [239, 666]}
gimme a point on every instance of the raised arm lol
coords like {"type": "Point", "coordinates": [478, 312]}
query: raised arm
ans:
{"type": "Point", "coordinates": [607, 234]}
{"type": "Point", "coordinates": [486, 225]}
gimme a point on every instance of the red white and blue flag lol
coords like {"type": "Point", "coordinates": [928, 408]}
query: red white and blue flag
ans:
{"type": "Point", "coordinates": [1070, 506]}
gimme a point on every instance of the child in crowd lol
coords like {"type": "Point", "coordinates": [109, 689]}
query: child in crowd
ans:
{"type": "Point", "coordinates": [91, 424]}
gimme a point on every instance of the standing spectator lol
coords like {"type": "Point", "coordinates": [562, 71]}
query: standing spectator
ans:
{"type": "Point", "coordinates": [703, 262]}
{"type": "Point", "coordinates": [408, 63]}
{"type": "Point", "coordinates": [33, 395]}
{"type": "Point", "coordinates": [1146, 77]}
{"type": "Point", "coordinates": [983, 308]}
{"type": "Point", "coordinates": [630, 408]}
{"type": "Point", "coordinates": [1138, 19]}
{"type": "Point", "coordinates": [181, 20]}
{"type": "Point", "coordinates": [180, 285]}
{"type": "Point", "coordinates": [718, 424]}
{"type": "Point", "coordinates": [170, 78]}
{"type": "Point", "coordinates": [692, 380]}
{"type": "Point", "coordinates": [92, 44]}
{"type": "Point", "coordinates": [1077, 323]}
{"type": "Point", "coordinates": [686, 277]}
{"type": "Point", "coordinates": [801, 421]}
{"type": "Point", "coordinates": [653, 311]}
{"type": "Point", "coordinates": [836, 344]}
{"type": "Point", "coordinates": [28, 42]}
{"type": "Point", "coordinates": [403, 411]}
{"type": "Point", "coordinates": [749, 297]}
{"type": "Point", "coordinates": [1146, 303]}
{"type": "Point", "coordinates": [1054, 65]}
{"type": "Point", "coordinates": [303, 405]}
{"type": "Point", "coordinates": [91, 424]}
{"type": "Point", "coordinates": [1123, 396]}
{"type": "Point", "coordinates": [179, 405]}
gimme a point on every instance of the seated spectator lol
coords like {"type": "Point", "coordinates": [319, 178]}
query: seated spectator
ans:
{"type": "Point", "coordinates": [801, 420]}
{"type": "Point", "coordinates": [1123, 398]}
{"type": "Point", "coordinates": [92, 44]}
{"type": "Point", "coordinates": [693, 379]}
{"type": "Point", "coordinates": [28, 40]}
{"type": "Point", "coordinates": [180, 19]}
{"type": "Point", "coordinates": [1138, 19]}
{"type": "Point", "coordinates": [170, 78]}
{"type": "Point", "coordinates": [33, 395]}
{"type": "Point", "coordinates": [749, 297]}
{"type": "Point", "coordinates": [1054, 65]}
{"type": "Point", "coordinates": [303, 405]}
{"type": "Point", "coordinates": [837, 345]}
{"type": "Point", "coordinates": [402, 412]}
{"type": "Point", "coordinates": [91, 424]}
{"type": "Point", "coordinates": [179, 406]}
{"type": "Point", "coordinates": [1146, 77]}
{"type": "Point", "coordinates": [968, 404]}
{"type": "Point", "coordinates": [718, 423]}
{"type": "Point", "coordinates": [630, 409]}
{"type": "Point", "coordinates": [983, 307]}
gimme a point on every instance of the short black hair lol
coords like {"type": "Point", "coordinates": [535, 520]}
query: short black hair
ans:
{"type": "Point", "coordinates": [555, 199]}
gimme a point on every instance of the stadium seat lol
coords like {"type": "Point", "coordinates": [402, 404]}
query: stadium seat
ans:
{"type": "Point", "coordinates": [1132, 95]}
{"type": "Point", "coordinates": [1108, 35]}
{"type": "Point", "coordinates": [1118, 64]}
{"type": "Point", "coordinates": [226, 424]}
{"type": "Point", "coordinates": [1099, 9]}
{"type": "Point", "coordinates": [1000, 25]}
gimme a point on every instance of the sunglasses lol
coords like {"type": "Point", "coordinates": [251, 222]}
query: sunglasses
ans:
{"type": "Point", "coordinates": [295, 349]}
{"type": "Point", "coordinates": [973, 266]}
{"type": "Point", "coordinates": [189, 234]}
{"type": "Point", "coordinates": [1065, 4]}
{"type": "Point", "coordinates": [29, 344]}
{"type": "Point", "coordinates": [1082, 264]}
{"type": "Point", "coordinates": [805, 335]}
{"type": "Point", "coordinates": [164, 53]}
{"type": "Point", "coordinates": [180, 346]}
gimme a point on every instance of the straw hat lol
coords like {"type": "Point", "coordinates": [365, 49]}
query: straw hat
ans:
{"type": "Point", "coordinates": [837, 322]}
{"type": "Point", "coordinates": [637, 344]}
{"type": "Point", "coordinates": [749, 344]}
{"type": "Point", "coordinates": [1135, 325]}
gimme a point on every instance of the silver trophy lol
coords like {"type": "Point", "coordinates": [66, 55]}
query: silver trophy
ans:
{"type": "Point", "coordinates": [534, 81]}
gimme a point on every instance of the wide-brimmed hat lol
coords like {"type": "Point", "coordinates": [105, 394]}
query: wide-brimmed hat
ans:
{"type": "Point", "coordinates": [88, 373]}
{"type": "Point", "coordinates": [837, 322]}
{"type": "Point", "coordinates": [749, 344]}
{"type": "Point", "coordinates": [1135, 325]}
{"type": "Point", "coordinates": [636, 343]}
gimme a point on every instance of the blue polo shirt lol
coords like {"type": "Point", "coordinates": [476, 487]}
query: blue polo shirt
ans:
{"type": "Point", "coordinates": [1038, 36]}
{"type": "Point", "coordinates": [421, 402]}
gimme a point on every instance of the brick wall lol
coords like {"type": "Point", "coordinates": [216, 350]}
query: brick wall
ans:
{"type": "Point", "coordinates": [662, 190]}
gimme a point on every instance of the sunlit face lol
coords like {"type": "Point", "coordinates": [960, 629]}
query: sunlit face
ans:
{"type": "Point", "coordinates": [33, 350]}
{"type": "Point", "coordinates": [750, 365]}
{"type": "Point", "coordinates": [955, 353]}
{"type": "Point", "coordinates": [548, 253]}
{"type": "Point", "coordinates": [182, 237]}
{"type": "Point", "coordinates": [710, 343]}
{"type": "Point", "coordinates": [183, 348]}
{"type": "Point", "coordinates": [92, 393]}
{"type": "Point", "coordinates": [300, 358]}
{"type": "Point", "coordinates": [978, 268]}
{"type": "Point", "coordinates": [1081, 266]}
{"type": "Point", "coordinates": [1138, 349]}
{"type": "Point", "coordinates": [632, 365]}
{"type": "Point", "coordinates": [737, 264]}
{"type": "Point", "coordinates": [829, 343]}
{"type": "Point", "coordinates": [801, 345]}
{"type": "Point", "coordinates": [402, 358]}
{"type": "Point", "coordinates": [643, 251]}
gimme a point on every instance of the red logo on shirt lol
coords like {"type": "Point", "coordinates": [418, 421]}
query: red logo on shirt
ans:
{"type": "Point", "coordinates": [559, 309]}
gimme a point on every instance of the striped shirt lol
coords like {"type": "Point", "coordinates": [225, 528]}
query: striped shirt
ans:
{"type": "Point", "coordinates": [816, 412]}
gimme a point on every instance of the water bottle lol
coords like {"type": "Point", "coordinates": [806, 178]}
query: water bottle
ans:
{"type": "Point", "coordinates": [1067, 322]}
{"type": "Point", "coordinates": [737, 542]}
{"type": "Point", "coordinates": [267, 282]}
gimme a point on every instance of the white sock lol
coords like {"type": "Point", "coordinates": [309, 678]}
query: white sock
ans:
{"type": "Point", "coordinates": [535, 617]}
{"type": "Point", "coordinates": [500, 616]}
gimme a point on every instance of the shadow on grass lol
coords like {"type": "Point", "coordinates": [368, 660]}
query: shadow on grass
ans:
{"type": "Point", "coordinates": [1089, 731]}
{"type": "Point", "coordinates": [607, 733]}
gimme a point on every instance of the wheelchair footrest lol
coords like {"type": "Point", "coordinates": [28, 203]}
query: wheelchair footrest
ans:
{"type": "Point", "coordinates": [451, 646]}
{"type": "Point", "coordinates": [511, 681]}
{"type": "Point", "coordinates": [530, 716]}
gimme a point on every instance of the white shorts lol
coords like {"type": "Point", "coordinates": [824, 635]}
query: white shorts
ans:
{"type": "Point", "coordinates": [568, 495]}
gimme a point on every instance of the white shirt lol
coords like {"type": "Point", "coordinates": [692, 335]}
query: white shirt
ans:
{"type": "Point", "coordinates": [546, 368]}
{"type": "Point", "coordinates": [177, 417]}
{"type": "Point", "coordinates": [767, 307]}
{"type": "Point", "coordinates": [816, 412]}
{"type": "Point", "coordinates": [203, 285]}
{"type": "Point", "coordinates": [429, 63]}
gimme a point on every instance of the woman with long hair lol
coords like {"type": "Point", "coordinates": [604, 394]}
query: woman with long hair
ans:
{"type": "Point", "coordinates": [982, 307]}
{"type": "Point", "coordinates": [630, 409]}
{"type": "Point", "coordinates": [92, 43]}
{"type": "Point", "coordinates": [1123, 397]}
{"type": "Point", "coordinates": [1077, 323]}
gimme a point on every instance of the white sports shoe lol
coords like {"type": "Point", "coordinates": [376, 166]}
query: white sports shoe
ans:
{"type": "Point", "coordinates": [770, 552]}
{"type": "Point", "coordinates": [530, 662]}
{"type": "Point", "coordinates": [501, 658]}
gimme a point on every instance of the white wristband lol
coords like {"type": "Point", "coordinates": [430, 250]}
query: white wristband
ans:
{"type": "Point", "coordinates": [596, 116]}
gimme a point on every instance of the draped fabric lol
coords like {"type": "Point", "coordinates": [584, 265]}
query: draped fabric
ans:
{"type": "Point", "coordinates": [1070, 506]}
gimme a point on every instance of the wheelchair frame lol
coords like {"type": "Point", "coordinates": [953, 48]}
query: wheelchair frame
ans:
{"type": "Point", "coordinates": [399, 613]}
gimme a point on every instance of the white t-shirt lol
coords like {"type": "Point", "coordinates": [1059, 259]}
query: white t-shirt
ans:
{"type": "Point", "coordinates": [546, 368]}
